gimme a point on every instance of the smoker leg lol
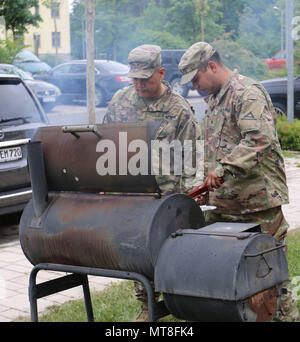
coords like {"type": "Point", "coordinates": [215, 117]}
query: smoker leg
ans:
{"type": "Point", "coordinates": [32, 295]}
{"type": "Point", "coordinates": [156, 310]}
{"type": "Point", "coordinates": [47, 288]}
{"type": "Point", "coordinates": [160, 310]}
{"type": "Point", "coordinates": [87, 299]}
{"type": "Point", "coordinates": [79, 277]}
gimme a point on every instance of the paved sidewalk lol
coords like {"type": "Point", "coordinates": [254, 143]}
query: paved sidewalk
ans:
{"type": "Point", "coordinates": [15, 268]}
{"type": "Point", "coordinates": [292, 210]}
{"type": "Point", "coordinates": [14, 275]}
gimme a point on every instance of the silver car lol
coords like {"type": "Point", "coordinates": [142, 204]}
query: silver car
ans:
{"type": "Point", "coordinates": [20, 116]}
{"type": "Point", "coordinates": [48, 94]}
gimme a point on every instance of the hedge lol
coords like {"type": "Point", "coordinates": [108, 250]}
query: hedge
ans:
{"type": "Point", "coordinates": [288, 133]}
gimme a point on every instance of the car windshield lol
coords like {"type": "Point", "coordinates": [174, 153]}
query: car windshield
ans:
{"type": "Point", "coordinates": [113, 66]}
{"type": "Point", "coordinates": [16, 71]}
{"type": "Point", "coordinates": [23, 74]}
{"type": "Point", "coordinates": [34, 67]}
{"type": "Point", "coordinates": [26, 55]}
{"type": "Point", "coordinates": [22, 110]}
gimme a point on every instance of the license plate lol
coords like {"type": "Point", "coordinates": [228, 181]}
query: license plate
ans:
{"type": "Point", "coordinates": [48, 98]}
{"type": "Point", "coordinates": [10, 153]}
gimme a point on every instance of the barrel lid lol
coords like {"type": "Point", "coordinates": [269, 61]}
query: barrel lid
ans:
{"type": "Point", "coordinates": [95, 158]}
{"type": "Point", "coordinates": [219, 265]}
{"type": "Point", "coordinates": [232, 227]}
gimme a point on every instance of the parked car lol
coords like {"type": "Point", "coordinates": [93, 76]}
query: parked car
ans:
{"type": "Point", "coordinates": [20, 116]}
{"type": "Point", "coordinates": [70, 77]}
{"type": "Point", "coordinates": [278, 61]}
{"type": "Point", "coordinates": [277, 89]}
{"type": "Point", "coordinates": [48, 94]}
{"type": "Point", "coordinates": [28, 61]}
{"type": "Point", "coordinates": [170, 61]}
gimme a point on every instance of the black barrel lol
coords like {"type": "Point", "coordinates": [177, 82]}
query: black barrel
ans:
{"type": "Point", "coordinates": [207, 275]}
{"type": "Point", "coordinates": [105, 231]}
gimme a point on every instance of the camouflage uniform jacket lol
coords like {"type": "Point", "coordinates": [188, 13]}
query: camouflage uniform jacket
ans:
{"type": "Point", "coordinates": [178, 123]}
{"type": "Point", "coordinates": [240, 140]}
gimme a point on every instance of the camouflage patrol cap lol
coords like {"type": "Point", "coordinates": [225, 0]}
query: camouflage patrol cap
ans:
{"type": "Point", "coordinates": [143, 60]}
{"type": "Point", "coordinates": [191, 60]}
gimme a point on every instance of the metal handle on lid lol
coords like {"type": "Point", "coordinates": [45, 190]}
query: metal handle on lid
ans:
{"type": "Point", "coordinates": [81, 129]}
{"type": "Point", "coordinates": [264, 252]}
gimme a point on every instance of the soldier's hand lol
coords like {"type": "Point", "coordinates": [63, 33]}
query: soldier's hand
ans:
{"type": "Point", "coordinates": [201, 200]}
{"type": "Point", "coordinates": [212, 181]}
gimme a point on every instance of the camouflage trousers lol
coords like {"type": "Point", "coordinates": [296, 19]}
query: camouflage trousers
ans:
{"type": "Point", "coordinates": [141, 293]}
{"type": "Point", "coordinates": [272, 221]}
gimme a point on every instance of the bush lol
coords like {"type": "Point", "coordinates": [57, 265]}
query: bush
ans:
{"type": "Point", "coordinates": [288, 133]}
{"type": "Point", "coordinates": [9, 49]}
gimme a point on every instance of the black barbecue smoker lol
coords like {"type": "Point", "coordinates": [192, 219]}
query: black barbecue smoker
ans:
{"type": "Point", "coordinates": [121, 226]}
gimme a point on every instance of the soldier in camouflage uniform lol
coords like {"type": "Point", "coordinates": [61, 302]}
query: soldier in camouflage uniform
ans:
{"type": "Point", "coordinates": [152, 99]}
{"type": "Point", "coordinates": [241, 147]}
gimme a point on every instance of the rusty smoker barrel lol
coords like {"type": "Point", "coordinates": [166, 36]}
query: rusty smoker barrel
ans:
{"type": "Point", "coordinates": [208, 275]}
{"type": "Point", "coordinates": [69, 222]}
{"type": "Point", "coordinates": [212, 273]}
{"type": "Point", "coordinates": [111, 232]}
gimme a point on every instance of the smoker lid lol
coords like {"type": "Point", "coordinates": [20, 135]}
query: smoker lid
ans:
{"type": "Point", "coordinates": [74, 155]}
{"type": "Point", "coordinates": [232, 227]}
{"type": "Point", "coordinates": [219, 265]}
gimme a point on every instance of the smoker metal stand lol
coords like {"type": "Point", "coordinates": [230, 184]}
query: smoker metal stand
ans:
{"type": "Point", "coordinates": [78, 277]}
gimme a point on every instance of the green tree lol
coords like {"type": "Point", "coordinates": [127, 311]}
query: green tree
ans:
{"type": "Point", "coordinates": [231, 10]}
{"type": "Point", "coordinates": [9, 49]}
{"type": "Point", "coordinates": [183, 20]}
{"type": "Point", "coordinates": [150, 28]}
{"type": "Point", "coordinates": [77, 28]}
{"type": "Point", "coordinates": [122, 25]}
{"type": "Point", "coordinates": [259, 28]}
{"type": "Point", "coordinates": [165, 40]}
{"type": "Point", "coordinates": [18, 16]}
{"type": "Point", "coordinates": [202, 8]}
{"type": "Point", "coordinates": [236, 57]}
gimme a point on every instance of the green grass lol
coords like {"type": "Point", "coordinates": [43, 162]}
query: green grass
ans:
{"type": "Point", "coordinates": [293, 258]}
{"type": "Point", "coordinates": [117, 303]}
{"type": "Point", "coordinates": [291, 154]}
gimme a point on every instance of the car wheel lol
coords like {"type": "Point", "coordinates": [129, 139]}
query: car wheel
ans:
{"type": "Point", "coordinates": [280, 108]}
{"type": "Point", "coordinates": [100, 99]}
{"type": "Point", "coordinates": [180, 89]}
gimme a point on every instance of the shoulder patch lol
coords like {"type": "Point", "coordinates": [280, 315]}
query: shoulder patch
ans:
{"type": "Point", "coordinates": [249, 116]}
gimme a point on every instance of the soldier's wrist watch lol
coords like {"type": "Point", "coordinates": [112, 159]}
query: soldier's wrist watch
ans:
{"type": "Point", "coordinates": [220, 171]}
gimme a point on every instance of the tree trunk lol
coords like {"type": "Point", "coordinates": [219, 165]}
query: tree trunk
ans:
{"type": "Point", "coordinates": [90, 56]}
{"type": "Point", "coordinates": [202, 26]}
{"type": "Point", "coordinates": [56, 47]}
{"type": "Point", "coordinates": [115, 49]}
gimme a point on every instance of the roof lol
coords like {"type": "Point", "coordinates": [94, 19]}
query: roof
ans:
{"type": "Point", "coordinates": [9, 76]}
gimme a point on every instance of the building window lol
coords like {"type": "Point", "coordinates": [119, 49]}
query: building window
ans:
{"type": "Point", "coordinates": [37, 40]}
{"type": "Point", "coordinates": [55, 9]}
{"type": "Point", "coordinates": [56, 42]}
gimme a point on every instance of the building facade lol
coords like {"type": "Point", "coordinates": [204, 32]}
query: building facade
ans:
{"type": "Point", "coordinates": [51, 38]}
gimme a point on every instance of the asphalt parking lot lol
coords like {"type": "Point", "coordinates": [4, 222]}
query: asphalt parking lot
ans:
{"type": "Point", "coordinates": [76, 113]}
